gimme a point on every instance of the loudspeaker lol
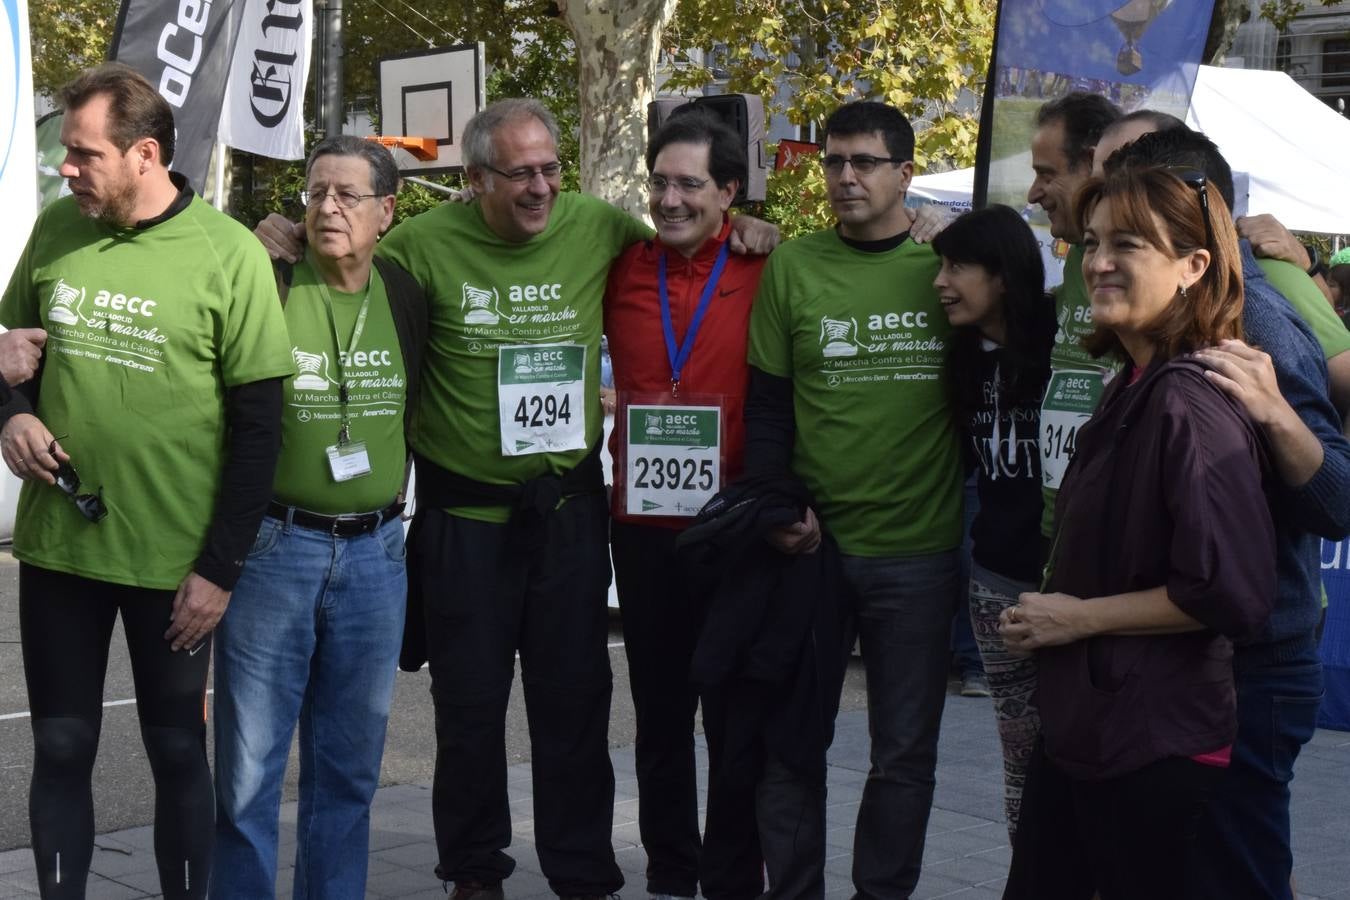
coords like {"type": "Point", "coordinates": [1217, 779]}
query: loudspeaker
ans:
{"type": "Point", "coordinates": [745, 114]}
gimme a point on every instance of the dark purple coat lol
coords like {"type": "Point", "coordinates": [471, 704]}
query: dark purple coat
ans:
{"type": "Point", "coordinates": [1165, 488]}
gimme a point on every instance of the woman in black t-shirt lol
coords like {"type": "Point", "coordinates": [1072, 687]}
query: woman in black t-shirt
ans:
{"type": "Point", "coordinates": [992, 287]}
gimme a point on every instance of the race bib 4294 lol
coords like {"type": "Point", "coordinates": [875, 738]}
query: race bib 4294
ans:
{"type": "Point", "coordinates": [541, 398]}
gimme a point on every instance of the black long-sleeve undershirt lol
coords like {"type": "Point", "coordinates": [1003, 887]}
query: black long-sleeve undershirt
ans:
{"type": "Point", "coordinates": [770, 424]}
{"type": "Point", "coordinates": [253, 441]}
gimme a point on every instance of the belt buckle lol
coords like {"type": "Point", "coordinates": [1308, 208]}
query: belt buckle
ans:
{"type": "Point", "coordinates": [339, 523]}
{"type": "Point", "coordinates": [361, 522]}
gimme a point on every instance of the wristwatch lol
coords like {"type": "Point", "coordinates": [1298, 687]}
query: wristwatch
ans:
{"type": "Point", "coordinates": [1318, 267]}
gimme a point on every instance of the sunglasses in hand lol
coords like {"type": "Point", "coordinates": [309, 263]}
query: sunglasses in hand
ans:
{"type": "Point", "coordinates": [91, 506]}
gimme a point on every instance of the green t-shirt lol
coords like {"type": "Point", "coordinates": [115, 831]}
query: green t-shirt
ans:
{"type": "Point", "coordinates": [147, 328]}
{"type": "Point", "coordinates": [377, 390]}
{"type": "Point", "coordinates": [486, 294]}
{"type": "Point", "coordinates": [1075, 386]}
{"type": "Point", "coordinates": [863, 338]}
{"type": "Point", "coordinates": [1310, 303]}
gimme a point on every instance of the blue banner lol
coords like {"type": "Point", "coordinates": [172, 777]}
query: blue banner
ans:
{"type": "Point", "coordinates": [1335, 711]}
{"type": "Point", "coordinates": [1138, 53]}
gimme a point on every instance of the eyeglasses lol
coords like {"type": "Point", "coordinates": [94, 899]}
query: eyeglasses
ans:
{"type": "Point", "coordinates": [683, 184]}
{"type": "Point", "coordinates": [344, 199]}
{"type": "Point", "coordinates": [863, 163]}
{"type": "Point", "coordinates": [1193, 178]}
{"type": "Point", "coordinates": [91, 506]}
{"type": "Point", "coordinates": [526, 173]}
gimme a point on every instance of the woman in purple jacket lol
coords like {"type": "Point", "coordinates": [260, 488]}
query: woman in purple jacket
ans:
{"type": "Point", "coordinates": [1163, 504]}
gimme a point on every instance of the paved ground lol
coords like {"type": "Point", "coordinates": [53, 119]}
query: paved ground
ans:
{"type": "Point", "coordinates": [967, 852]}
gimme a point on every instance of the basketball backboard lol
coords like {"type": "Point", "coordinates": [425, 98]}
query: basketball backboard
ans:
{"type": "Point", "coordinates": [431, 94]}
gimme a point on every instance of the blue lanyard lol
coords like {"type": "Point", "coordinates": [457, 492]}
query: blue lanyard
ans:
{"type": "Point", "coordinates": [679, 357]}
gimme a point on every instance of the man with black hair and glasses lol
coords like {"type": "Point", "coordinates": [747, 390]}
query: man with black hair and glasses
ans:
{"type": "Point", "coordinates": [161, 385]}
{"type": "Point", "coordinates": [847, 342]}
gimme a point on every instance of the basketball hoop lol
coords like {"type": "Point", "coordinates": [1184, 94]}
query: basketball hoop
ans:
{"type": "Point", "coordinates": [422, 148]}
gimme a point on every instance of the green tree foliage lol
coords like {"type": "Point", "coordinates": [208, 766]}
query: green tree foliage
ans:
{"type": "Point", "coordinates": [373, 29]}
{"type": "Point", "coordinates": [1282, 12]}
{"type": "Point", "coordinates": [543, 67]}
{"type": "Point", "coordinates": [917, 55]}
{"type": "Point", "coordinates": [68, 37]}
{"type": "Point", "coordinates": [796, 201]}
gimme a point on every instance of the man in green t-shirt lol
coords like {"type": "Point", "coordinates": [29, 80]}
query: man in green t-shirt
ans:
{"type": "Point", "coordinates": [509, 545]}
{"type": "Point", "coordinates": [147, 458]}
{"type": "Point", "coordinates": [1067, 130]}
{"type": "Point", "coordinates": [847, 342]}
{"type": "Point", "coordinates": [314, 630]}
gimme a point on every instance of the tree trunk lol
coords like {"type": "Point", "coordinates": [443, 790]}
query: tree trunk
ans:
{"type": "Point", "coordinates": [617, 45]}
{"type": "Point", "coordinates": [1223, 26]}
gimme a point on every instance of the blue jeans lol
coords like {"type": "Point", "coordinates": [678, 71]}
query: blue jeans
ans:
{"type": "Point", "coordinates": [312, 634]}
{"type": "Point", "coordinates": [1244, 848]}
{"type": "Point", "coordinates": [905, 608]}
{"type": "Point", "coordinates": [965, 649]}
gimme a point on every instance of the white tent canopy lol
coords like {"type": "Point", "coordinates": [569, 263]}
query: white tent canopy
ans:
{"type": "Point", "coordinates": [1291, 145]}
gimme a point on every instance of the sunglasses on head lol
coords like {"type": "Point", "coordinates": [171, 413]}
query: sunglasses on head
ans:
{"type": "Point", "coordinates": [1195, 179]}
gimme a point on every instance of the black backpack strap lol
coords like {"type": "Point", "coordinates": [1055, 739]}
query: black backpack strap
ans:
{"type": "Point", "coordinates": [284, 272]}
{"type": "Point", "coordinates": [408, 305]}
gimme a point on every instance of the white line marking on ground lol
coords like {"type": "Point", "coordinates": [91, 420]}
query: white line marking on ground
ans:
{"type": "Point", "coordinates": [131, 702]}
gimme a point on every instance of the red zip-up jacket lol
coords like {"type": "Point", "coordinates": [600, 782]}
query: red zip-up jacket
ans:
{"type": "Point", "coordinates": [637, 344]}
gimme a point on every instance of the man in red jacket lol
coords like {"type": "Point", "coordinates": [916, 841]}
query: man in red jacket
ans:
{"type": "Point", "coordinates": [677, 311]}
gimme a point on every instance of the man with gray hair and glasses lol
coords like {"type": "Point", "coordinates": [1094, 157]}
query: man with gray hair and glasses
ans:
{"type": "Point", "coordinates": [314, 631]}
{"type": "Point", "coordinates": [509, 548]}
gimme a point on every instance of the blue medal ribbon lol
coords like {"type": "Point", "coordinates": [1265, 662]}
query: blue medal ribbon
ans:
{"type": "Point", "coordinates": [679, 357]}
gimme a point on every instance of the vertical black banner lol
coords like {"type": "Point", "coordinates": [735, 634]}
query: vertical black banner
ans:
{"type": "Point", "coordinates": [184, 48]}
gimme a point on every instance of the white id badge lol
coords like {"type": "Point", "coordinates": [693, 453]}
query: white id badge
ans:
{"type": "Point", "coordinates": [541, 398]}
{"type": "Point", "coordinates": [673, 459]}
{"type": "Point", "coordinates": [348, 461]}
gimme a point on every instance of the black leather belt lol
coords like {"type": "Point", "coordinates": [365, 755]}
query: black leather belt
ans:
{"type": "Point", "coordinates": [338, 526]}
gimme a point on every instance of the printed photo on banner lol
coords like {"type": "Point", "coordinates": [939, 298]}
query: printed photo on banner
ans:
{"type": "Point", "coordinates": [1137, 53]}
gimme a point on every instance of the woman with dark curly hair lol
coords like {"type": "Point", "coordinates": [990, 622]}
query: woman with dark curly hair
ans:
{"type": "Point", "coordinates": [992, 287]}
{"type": "Point", "coordinates": [1163, 508]}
